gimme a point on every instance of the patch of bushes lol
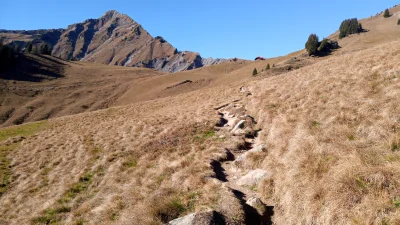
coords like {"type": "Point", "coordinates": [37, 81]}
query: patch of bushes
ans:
{"type": "Point", "coordinates": [350, 26]}
{"type": "Point", "coordinates": [314, 47]}
{"type": "Point", "coordinates": [43, 48]}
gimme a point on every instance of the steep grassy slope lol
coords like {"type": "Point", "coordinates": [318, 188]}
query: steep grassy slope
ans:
{"type": "Point", "coordinates": [332, 131]}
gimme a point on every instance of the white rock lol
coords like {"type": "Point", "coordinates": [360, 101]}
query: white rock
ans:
{"type": "Point", "coordinates": [253, 177]}
{"type": "Point", "coordinates": [186, 220]}
{"type": "Point", "coordinates": [238, 127]}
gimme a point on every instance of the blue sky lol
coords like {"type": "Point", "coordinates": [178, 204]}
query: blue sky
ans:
{"type": "Point", "coordinates": [218, 28]}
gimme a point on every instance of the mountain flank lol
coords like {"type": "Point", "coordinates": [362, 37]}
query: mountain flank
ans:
{"type": "Point", "coordinates": [113, 39]}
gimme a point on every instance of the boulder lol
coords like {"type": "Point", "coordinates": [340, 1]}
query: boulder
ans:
{"type": "Point", "coordinates": [186, 220]}
{"type": "Point", "coordinates": [257, 204]}
{"type": "Point", "coordinates": [200, 218]}
{"type": "Point", "coordinates": [253, 177]}
{"type": "Point", "coordinates": [242, 157]}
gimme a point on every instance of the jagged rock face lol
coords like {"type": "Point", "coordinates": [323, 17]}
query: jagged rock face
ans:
{"type": "Point", "coordinates": [115, 39]}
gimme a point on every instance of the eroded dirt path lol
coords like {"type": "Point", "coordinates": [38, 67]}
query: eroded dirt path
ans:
{"type": "Point", "coordinates": [239, 128]}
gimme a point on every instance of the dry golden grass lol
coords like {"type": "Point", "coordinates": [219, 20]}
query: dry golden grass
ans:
{"type": "Point", "coordinates": [331, 130]}
{"type": "Point", "coordinates": [333, 139]}
{"type": "Point", "coordinates": [143, 164]}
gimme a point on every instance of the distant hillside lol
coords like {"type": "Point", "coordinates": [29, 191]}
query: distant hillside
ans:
{"type": "Point", "coordinates": [113, 39]}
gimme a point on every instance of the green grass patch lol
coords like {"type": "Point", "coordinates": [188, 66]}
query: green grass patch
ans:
{"type": "Point", "coordinates": [78, 187]}
{"type": "Point", "coordinates": [361, 185]}
{"type": "Point", "coordinates": [130, 163]}
{"type": "Point", "coordinates": [352, 137]}
{"type": "Point", "coordinates": [22, 130]}
{"type": "Point", "coordinates": [395, 147]}
{"type": "Point", "coordinates": [205, 135]}
{"type": "Point", "coordinates": [396, 203]}
{"type": "Point", "coordinates": [51, 216]}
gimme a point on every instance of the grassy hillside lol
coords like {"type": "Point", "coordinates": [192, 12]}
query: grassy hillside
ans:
{"type": "Point", "coordinates": [324, 136]}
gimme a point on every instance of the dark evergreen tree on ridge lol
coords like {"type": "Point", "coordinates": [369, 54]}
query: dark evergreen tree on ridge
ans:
{"type": "Point", "coordinates": [386, 14]}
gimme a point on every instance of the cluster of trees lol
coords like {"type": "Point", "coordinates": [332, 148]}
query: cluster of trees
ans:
{"type": "Point", "coordinates": [350, 26]}
{"type": "Point", "coordinates": [7, 57]}
{"type": "Point", "coordinates": [315, 47]}
{"type": "Point", "coordinates": [42, 48]}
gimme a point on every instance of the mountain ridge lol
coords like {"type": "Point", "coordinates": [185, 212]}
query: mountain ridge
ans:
{"type": "Point", "coordinates": [112, 39]}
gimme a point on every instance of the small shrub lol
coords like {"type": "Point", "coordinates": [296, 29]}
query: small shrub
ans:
{"type": "Point", "coordinates": [268, 67]}
{"type": "Point", "coordinates": [255, 72]}
{"type": "Point", "coordinates": [386, 14]}
{"type": "Point", "coordinates": [398, 22]}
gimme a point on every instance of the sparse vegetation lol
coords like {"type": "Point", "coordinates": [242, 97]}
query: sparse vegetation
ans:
{"type": "Point", "coordinates": [398, 22]}
{"type": "Point", "coordinates": [349, 26]}
{"type": "Point", "coordinates": [268, 67]}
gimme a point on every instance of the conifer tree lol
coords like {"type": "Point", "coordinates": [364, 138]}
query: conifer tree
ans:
{"type": "Point", "coordinates": [312, 44]}
{"type": "Point", "coordinates": [386, 14]}
{"type": "Point", "coordinates": [255, 72]}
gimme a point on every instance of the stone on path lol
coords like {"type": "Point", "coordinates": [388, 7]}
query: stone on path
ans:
{"type": "Point", "coordinates": [257, 204]}
{"type": "Point", "coordinates": [253, 178]}
{"type": "Point", "coordinates": [242, 157]}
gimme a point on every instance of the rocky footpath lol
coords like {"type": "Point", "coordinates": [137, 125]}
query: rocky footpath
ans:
{"type": "Point", "coordinates": [240, 182]}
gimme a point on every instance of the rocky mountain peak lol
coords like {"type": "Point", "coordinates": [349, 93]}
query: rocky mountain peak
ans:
{"type": "Point", "coordinates": [116, 39]}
